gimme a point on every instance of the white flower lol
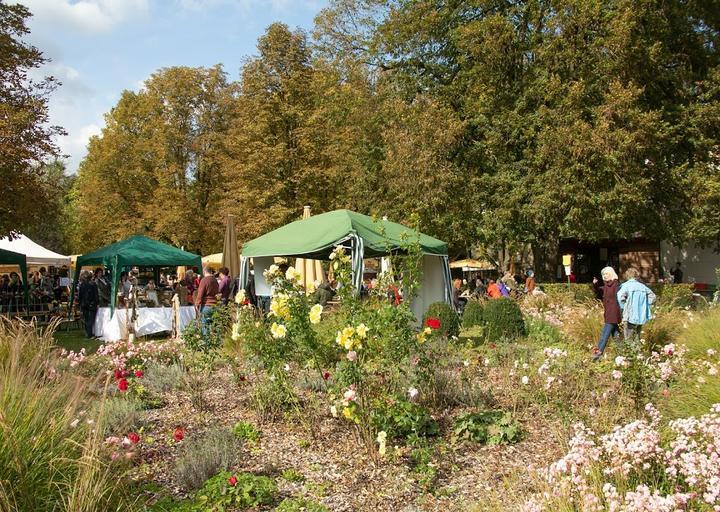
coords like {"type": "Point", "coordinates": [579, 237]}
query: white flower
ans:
{"type": "Point", "coordinates": [75, 422]}
{"type": "Point", "coordinates": [486, 362]}
{"type": "Point", "coordinates": [240, 297]}
{"type": "Point", "coordinates": [292, 275]}
{"type": "Point", "coordinates": [711, 352]}
{"type": "Point", "coordinates": [333, 411]}
{"type": "Point", "coordinates": [286, 367]}
{"type": "Point", "coordinates": [616, 374]}
{"type": "Point", "coordinates": [235, 332]}
{"type": "Point", "coordinates": [278, 330]}
{"type": "Point", "coordinates": [349, 395]}
{"type": "Point", "coordinates": [412, 393]}
{"type": "Point", "coordinates": [352, 355]}
{"type": "Point", "coordinates": [466, 362]}
{"type": "Point", "coordinates": [273, 269]}
{"type": "Point", "coordinates": [525, 379]}
{"type": "Point", "coordinates": [619, 361]}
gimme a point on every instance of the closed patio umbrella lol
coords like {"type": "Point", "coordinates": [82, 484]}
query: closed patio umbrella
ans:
{"type": "Point", "coordinates": [231, 254]}
{"type": "Point", "coordinates": [310, 270]}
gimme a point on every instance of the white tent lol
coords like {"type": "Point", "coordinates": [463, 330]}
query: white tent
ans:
{"type": "Point", "coordinates": [36, 254]}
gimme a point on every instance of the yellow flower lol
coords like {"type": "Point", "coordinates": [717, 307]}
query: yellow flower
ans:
{"type": "Point", "coordinates": [362, 330]}
{"type": "Point", "coordinates": [235, 332]}
{"type": "Point", "coordinates": [427, 331]}
{"type": "Point", "coordinates": [421, 337]}
{"type": "Point", "coordinates": [278, 330]}
{"type": "Point", "coordinates": [279, 306]}
{"type": "Point", "coordinates": [381, 439]}
{"type": "Point", "coordinates": [348, 331]}
{"type": "Point", "coordinates": [347, 412]}
{"type": "Point", "coordinates": [316, 314]}
{"type": "Point", "coordinates": [240, 297]}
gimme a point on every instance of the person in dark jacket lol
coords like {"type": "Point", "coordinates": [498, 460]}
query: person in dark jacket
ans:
{"type": "Point", "coordinates": [608, 290]}
{"type": "Point", "coordinates": [88, 299]}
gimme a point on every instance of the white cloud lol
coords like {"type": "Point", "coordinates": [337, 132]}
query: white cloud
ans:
{"type": "Point", "coordinates": [246, 5]}
{"type": "Point", "coordinates": [74, 144]}
{"type": "Point", "coordinates": [86, 15]}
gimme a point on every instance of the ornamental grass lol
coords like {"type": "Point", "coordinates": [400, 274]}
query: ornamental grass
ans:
{"type": "Point", "coordinates": [50, 447]}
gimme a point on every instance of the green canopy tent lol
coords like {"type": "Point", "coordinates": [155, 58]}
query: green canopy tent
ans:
{"type": "Point", "coordinates": [138, 251]}
{"type": "Point", "coordinates": [316, 237]}
{"type": "Point", "coordinates": [15, 258]}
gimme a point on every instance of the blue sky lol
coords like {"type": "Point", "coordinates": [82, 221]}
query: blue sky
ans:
{"type": "Point", "coordinates": [101, 47]}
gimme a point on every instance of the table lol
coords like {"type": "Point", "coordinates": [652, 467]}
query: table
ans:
{"type": "Point", "coordinates": [149, 321]}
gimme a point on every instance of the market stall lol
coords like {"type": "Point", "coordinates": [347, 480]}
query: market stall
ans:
{"type": "Point", "coordinates": [35, 254]}
{"type": "Point", "coordinates": [10, 301]}
{"type": "Point", "coordinates": [315, 237]}
{"type": "Point", "coordinates": [111, 323]}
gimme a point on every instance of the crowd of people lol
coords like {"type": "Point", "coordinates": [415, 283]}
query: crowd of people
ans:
{"type": "Point", "coordinates": [45, 287]}
{"type": "Point", "coordinates": [508, 285]}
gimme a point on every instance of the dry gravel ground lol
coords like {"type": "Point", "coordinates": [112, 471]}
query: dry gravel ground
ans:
{"type": "Point", "coordinates": [338, 472]}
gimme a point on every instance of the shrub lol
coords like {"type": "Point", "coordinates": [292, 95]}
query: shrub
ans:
{"type": "Point", "coordinates": [300, 505]}
{"type": "Point", "coordinates": [241, 490]}
{"type": "Point", "coordinates": [50, 459]}
{"type": "Point", "coordinates": [202, 458]}
{"type": "Point", "coordinates": [449, 321]}
{"type": "Point", "coordinates": [541, 332]}
{"type": "Point", "coordinates": [674, 295]}
{"type": "Point", "coordinates": [247, 431]}
{"type": "Point", "coordinates": [503, 320]}
{"type": "Point", "coordinates": [121, 415]}
{"type": "Point", "coordinates": [210, 337]}
{"type": "Point", "coordinates": [292, 475]}
{"type": "Point", "coordinates": [272, 398]}
{"type": "Point", "coordinates": [401, 419]}
{"type": "Point", "coordinates": [473, 314]}
{"type": "Point", "coordinates": [488, 427]}
{"type": "Point", "coordinates": [160, 378]}
{"type": "Point", "coordinates": [568, 293]}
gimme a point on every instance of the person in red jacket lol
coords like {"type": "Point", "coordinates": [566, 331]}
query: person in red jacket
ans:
{"type": "Point", "coordinates": [608, 290]}
{"type": "Point", "coordinates": [206, 297]}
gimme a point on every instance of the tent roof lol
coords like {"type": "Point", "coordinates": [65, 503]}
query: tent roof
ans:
{"type": "Point", "coordinates": [315, 237]}
{"type": "Point", "coordinates": [11, 258]}
{"type": "Point", "coordinates": [138, 250]}
{"type": "Point", "coordinates": [35, 254]}
{"type": "Point", "coordinates": [472, 264]}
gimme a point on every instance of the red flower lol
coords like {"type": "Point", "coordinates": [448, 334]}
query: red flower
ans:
{"type": "Point", "coordinates": [134, 438]}
{"type": "Point", "coordinates": [123, 385]}
{"type": "Point", "coordinates": [232, 481]}
{"type": "Point", "coordinates": [492, 345]}
{"type": "Point", "coordinates": [118, 374]}
{"type": "Point", "coordinates": [242, 378]}
{"type": "Point", "coordinates": [326, 375]}
{"type": "Point", "coordinates": [433, 323]}
{"type": "Point", "coordinates": [245, 302]}
{"type": "Point", "coordinates": [138, 374]}
{"type": "Point", "coordinates": [179, 434]}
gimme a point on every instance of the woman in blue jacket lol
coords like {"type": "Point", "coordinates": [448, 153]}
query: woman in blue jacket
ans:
{"type": "Point", "coordinates": [635, 300]}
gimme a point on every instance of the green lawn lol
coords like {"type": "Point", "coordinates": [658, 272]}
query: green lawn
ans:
{"type": "Point", "coordinates": [75, 340]}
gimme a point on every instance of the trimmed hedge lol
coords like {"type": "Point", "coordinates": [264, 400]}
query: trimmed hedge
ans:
{"type": "Point", "coordinates": [503, 320]}
{"type": "Point", "coordinates": [674, 295]}
{"type": "Point", "coordinates": [473, 314]}
{"type": "Point", "coordinates": [578, 292]}
{"type": "Point", "coordinates": [449, 321]}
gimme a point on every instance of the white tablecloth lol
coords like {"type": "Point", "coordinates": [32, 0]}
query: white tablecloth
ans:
{"type": "Point", "coordinates": [149, 321]}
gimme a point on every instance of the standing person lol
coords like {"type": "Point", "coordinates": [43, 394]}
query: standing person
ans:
{"type": "Point", "coordinates": [530, 282]}
{"type": "Point", "coordinates": [206, 297]}
{"type": "Point", "coordinates": [103, 287]}
{"type": "Point", "coordinates": [88, 299]}
{"type": "Point", "coordinates": [458, 301]}
{"type": "Point", "coordinates": [677, 273]}
{"type": "Point", "coordinates": [607, 291]}
{"type": "Point", "coordinates": [224, 285]}
{"type": "Point", "coordinates": [635, 300]}
{"type": "Point", "coordinates": [191, 286]}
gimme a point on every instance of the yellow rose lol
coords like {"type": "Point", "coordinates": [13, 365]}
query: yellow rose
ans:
{"type": "Point", "coordinates": [278, 330]}
{"type": "Point", "coordinates": [362, 330]}
{"type": "Point", "coordinates": [316, 314]}
{"type": "Point", "coordinates": [240, 297]}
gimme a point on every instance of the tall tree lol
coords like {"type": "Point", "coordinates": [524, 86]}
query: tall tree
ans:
{"type": "Point", "coordinates": [155, 169]}
{"type": "Point", "coordinates": [26, 140]}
